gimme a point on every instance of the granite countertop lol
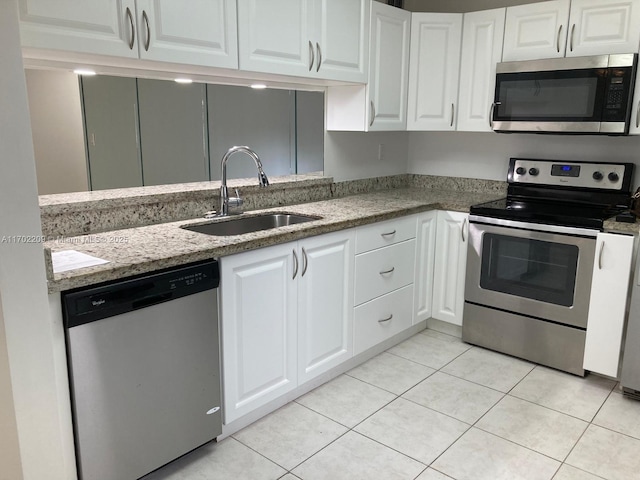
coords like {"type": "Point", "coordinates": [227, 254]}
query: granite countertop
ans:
{"type": "Point", "coordinates": [133, 251]}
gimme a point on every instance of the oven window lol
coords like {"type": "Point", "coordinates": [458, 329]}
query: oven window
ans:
{"type": "Point", "coordinates": [543, 271]}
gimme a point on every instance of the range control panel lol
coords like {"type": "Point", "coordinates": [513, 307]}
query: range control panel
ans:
{"type": "Point", "coordinates": [609, 176]}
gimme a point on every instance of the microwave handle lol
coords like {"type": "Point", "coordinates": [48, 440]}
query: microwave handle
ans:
{"type": "Point", "coordinates": [491, 109]}
{"type": "Point", "coordinates": [638, 115]}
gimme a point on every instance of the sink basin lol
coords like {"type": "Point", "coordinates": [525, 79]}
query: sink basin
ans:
{"type": "Point", "coordinates": [238, 226]}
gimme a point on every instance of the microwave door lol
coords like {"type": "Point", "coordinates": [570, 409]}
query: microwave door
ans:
{"type": "Point", "coordinates": [562, 101]}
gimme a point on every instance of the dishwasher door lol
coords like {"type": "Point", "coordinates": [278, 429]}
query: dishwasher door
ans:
{"type": "Point", "coordinates": [145, 382]}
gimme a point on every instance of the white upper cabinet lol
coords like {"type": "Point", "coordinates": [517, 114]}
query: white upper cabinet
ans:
{"type": "Point", "coordinates": [382, 103]}
{"type": "Point", "coordinates": [388, 67]}
{"type": "Point", "coordinates": [201, 32]}
{"type": "Point", "coordinates": [86, 26]}
{"type": "Point", "coordinates": [598, 27]}
{"type": "Point", "coordinates": [434, 71]}
{"type": "Point", "coordinates": [536, 30]}
{"type": "Point", "coordinates": [482, 36]}
{"type": "Point", "coordinates": [572, 28]}
{"type": "Point", "coordinates": [312, 38]}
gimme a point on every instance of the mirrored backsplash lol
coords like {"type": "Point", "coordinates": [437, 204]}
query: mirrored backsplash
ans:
{"type": "Point", "coordinates": [113, 132]}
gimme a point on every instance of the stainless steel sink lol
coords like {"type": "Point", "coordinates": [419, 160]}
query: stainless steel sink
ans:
{"type": "Point", "coordinates": [238, 226]}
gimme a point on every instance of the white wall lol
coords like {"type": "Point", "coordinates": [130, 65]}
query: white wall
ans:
{"type": "Point", "coordinates": [41, 406]}
{"type": "Point", "coordinates": [351, 156]}
{"type": "Point", "coordinates": [486, 155]}
{"type": "Point", "coordinates": [58, 135]}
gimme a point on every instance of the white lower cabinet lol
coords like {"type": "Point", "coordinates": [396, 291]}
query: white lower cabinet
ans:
{"type": "Point", "coordinates": [287, 316]}
{"type": "Point", "coordinates": [608, 303]}
{"type": "Point", "coordinates": [425, 259]}
{"type": "Point", "coordinates": [450, 266]}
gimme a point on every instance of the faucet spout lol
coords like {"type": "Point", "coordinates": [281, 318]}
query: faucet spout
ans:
{"type": "Point", "coordinates": [224, 192]}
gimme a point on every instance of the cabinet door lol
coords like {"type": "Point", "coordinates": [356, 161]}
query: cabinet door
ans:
{"type": "Point", "coordinates": [450, 266]}
{"type": "Point", "coordinates": [536, 30]}
{"type": "Point", "coordinates": [388, 68]}
{"type": "Point", "coordinates": [105, 27]}
{"type": "Point", "coordinates": [481, 50]}
{"type": "Point", "coordinates": [201, 32]}
{"type": "Point", "coordinates": [274, 36]}
{"type": "Point", "coordinates": [608, 303]}
{"type": "Point", "coordinates": [112, 131]}
{"type": "Point", "coordinates": [425, 258]}
{"type": "Point", "coordinates": [325, 303]}
{"type": "Point", "coordinates": [173, 132]}
{"type": "Point", "coordinates": [434, 71]}
{"type": "Point", "coordinates": [600, 27]}
{"type": "Point", "coordinates": [341, 39]}
{"type": "Point", "coordinates": [259, 328]}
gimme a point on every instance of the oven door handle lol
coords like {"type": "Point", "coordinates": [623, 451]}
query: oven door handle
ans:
{"type": "Point", "coordinates": [538, 227]}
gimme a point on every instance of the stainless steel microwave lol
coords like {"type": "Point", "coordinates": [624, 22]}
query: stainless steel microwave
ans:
{"type": "Point", "coordinates": [588, 95]}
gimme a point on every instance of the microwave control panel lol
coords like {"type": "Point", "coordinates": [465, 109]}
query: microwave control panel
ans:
{"type": "Point", "coordinates": [617, 99]}
{"type": "Point", "coordinates": [608, 176]}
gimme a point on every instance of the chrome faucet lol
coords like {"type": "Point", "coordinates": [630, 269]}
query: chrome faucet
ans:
{"type": "Point", "coordinates": [236, 201]}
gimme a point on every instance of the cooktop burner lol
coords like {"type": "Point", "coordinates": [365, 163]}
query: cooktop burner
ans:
{"type": "Point", "coordinates": [580, 194]}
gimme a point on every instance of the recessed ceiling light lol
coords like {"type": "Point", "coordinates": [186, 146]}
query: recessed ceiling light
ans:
{"type": "Point", "coordinates": [183, 80]}
{"type": "Point", "coordinates": [84, 71]}
{"type": "Point", "coordinates": [258, 86]}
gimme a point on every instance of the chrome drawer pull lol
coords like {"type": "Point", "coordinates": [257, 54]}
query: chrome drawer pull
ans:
{"type": "Point", "coordinates": [600, 256]}
{"type": "Point", "coordinates": [388, 271]}
{"type": "Point", "coordinates": [319, 57]}
{"type": "Point", "coordinates": [573, 29]}
{"type": "Point", "coordinates": [386, 319]}
{"type": "Point", "coordinates": [132, 38]}
{"type": "Point", "coordinates": [312, 55]}
{"type": "Point", "coordinates": [147, 40]}
{"type": "Point", "coordinates": [305, 262]}
{"type": "Point", "coordinates": [388, 234]}
{"type": "Point", "coordinates": [464, 223]}
{"type": "Point", "coordinates": [558, 39]}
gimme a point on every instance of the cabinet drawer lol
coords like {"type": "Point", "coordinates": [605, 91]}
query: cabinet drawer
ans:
{"type": "Point", "coordinates": [381, 234]}
{"type": "Point", "coordinates": [381, 271]}
{"type": "Point", "coordinates": [371, 325]}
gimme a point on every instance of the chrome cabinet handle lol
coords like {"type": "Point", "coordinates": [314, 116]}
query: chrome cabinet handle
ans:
{"type": "Point", "coordinates": [388, 234]}
{"type": "Point", "coordinates": [558, 39]}
{"type": "Point", "coordinates": [388, 271]}
{"type": "Point", "coordinates": [319, 57]}
{"type": "Point", "coordinates": [386, 319]}
{"type": "Point", "coordinates": [452, 113]}
{"type": "Point", "coordinates": [491, 109]}
{"type": "Point", "coordinates": [373, 113]}
{"type": "Point", "coordinates": [295, 265]}
{"type": "Point", "coordinates": [600, 256]}
{"type": "Point", "coordinates": [305, 262]}
{"type": "Point", "coordinates": [312, 55]}
{"type": "Point", "coordinates": [638, 116]}
{"type": "Point", "coordinates": [464, 223]}
{"type": "Point", "coordinates": [132, 38]}
{"type": "Point", "coordinates": [147, 40]}
{"type": "Point", "coordinates": [573, 28]}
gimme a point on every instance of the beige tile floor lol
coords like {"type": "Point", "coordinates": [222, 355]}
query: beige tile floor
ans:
{"type": "Point", "coordinates": [435, 408]}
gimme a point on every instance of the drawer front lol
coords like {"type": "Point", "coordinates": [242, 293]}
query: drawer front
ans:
{"type": "Point", "coordinates": [383, 270]}
{"type": "Point", "coordinates": [382, 318]}
{"type": "Point", "coordinates": [382, 234]}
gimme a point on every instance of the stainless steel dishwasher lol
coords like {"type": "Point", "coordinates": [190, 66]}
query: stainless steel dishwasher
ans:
{"type": "Point", "coordinates": [144, 370]}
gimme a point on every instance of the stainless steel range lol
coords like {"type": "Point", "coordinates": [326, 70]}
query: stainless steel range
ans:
{"type": "Point", "coordinates": [531, 257]}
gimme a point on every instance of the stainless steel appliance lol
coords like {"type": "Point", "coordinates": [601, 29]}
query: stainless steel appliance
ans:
{"type": "Point", "coordinates": [144, 370]}
{"type": "Point", "coordinates": [630, 376]}
{"type": "Point", "coordinates": [531, 256]}
{"type": "Point", "coordinates": [565, 95]}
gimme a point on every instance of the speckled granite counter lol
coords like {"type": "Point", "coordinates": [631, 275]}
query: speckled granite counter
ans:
{"type": "Point", "coordinates": [613, 226]}
{"type": "Point", "coordinates": [139, 250]}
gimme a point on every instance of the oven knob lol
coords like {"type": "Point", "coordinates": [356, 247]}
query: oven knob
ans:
{"type": "Point", "coordinates": [598, 176]}
{"type": "Point", "coordinates": [613, 176]}
{"type": "Point", "coordinates": [521, 170]}
{"type": "Point", "coordinates": [534, 171]}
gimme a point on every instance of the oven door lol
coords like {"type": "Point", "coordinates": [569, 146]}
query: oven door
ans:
{"type": "Point", "coordinates": [518, 267]}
